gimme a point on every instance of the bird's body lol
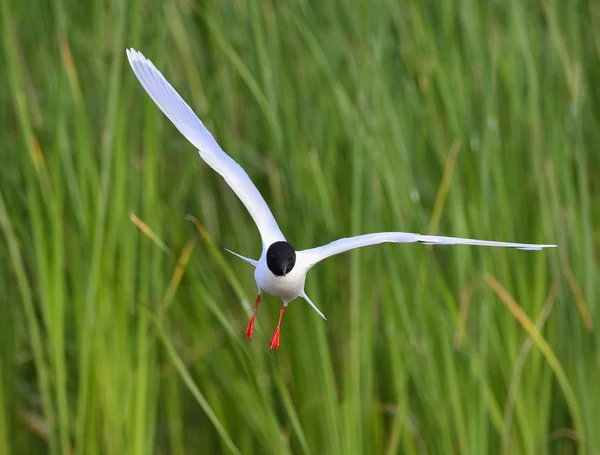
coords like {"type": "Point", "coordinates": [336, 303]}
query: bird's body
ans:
{"type": "Point", "coordinates": [280, 270]}
{"type": "Point", "coordinates": [287, 287]}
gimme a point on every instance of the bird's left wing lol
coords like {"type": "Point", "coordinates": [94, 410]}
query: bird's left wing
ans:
{"type": "Point", "coordinates": [188, 124]}
{"type": "Point", "coordinates": [314, 255]}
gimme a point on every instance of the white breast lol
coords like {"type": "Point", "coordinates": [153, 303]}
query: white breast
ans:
{"type": "Point", "coordinates": [286, 287]}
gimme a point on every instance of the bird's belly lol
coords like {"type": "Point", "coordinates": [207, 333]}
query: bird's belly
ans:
{"type": "Point", "coordinates": [286, 287]}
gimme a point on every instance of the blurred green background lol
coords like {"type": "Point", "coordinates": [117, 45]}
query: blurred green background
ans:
{"type": "Point", "coordinates": [121, 323]}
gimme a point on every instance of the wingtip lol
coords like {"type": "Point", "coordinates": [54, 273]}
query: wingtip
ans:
{"type": "Point", "coordinates": [133, 55]}
{"type": "Point", "coordinates": [537, 247]}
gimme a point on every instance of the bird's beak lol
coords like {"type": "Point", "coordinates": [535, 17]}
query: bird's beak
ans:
{"type": "Point", "coordinates": [284, 270]}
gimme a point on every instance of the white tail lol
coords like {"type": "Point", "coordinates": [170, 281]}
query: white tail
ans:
{"type": "Point", "coordinates": [305, 297]}
{"type": "Point", "coordinates": [251, 261]}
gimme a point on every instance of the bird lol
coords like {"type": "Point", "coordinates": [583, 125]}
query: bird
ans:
{"type": "Point", "coordinates": [281, 269]}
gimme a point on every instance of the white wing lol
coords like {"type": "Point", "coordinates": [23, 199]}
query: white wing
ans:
{"type": "Point", "coordinates": [182, 116]}
{"type": "Point", "coordinates": [315, 255]}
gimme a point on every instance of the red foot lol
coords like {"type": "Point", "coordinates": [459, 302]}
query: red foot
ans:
{"type": "Point", "coordinates": [250, 328]}
{"type": "Point", "coordinates": [275, 341]}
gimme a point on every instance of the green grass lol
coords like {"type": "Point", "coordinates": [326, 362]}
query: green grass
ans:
{"type": "Point", "coordinates": [121, 321]}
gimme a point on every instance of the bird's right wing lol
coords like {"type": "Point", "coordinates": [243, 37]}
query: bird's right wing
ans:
{"type": "Point", "coordinates": [188, 124]}
{"type": "Point", "coordinates": [314, 255]}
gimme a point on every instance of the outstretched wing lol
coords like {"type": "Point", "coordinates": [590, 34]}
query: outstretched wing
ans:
{"type": "Point", "coordinates": [188, 124]}
{"type": "Point", "coordinates": [317, 254]}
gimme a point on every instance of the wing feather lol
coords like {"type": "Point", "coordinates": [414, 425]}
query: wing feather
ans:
{"type": "Point", "coordinates": [192, 128]}
{"type": "Point", "coordinates": [314, 255]}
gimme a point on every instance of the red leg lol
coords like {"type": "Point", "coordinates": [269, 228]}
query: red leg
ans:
{"type": "Point", "coordinates": [251, 323]}
{"type": "Point", "coordinates": [275, 339]}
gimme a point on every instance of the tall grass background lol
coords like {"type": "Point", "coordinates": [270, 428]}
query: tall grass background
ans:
{"type": "Point", "coordinates": [122, 318]}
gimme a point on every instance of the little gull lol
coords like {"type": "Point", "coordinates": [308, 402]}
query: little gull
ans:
{"type": "Point", "coordinates": [280, 270]}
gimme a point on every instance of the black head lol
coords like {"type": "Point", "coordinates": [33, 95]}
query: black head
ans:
{"type": "Point", "coordinates": [281, 257]}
